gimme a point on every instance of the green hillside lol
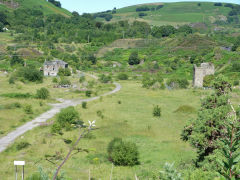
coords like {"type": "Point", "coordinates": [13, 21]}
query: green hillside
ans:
{"type": "Point", "coordinates": [43, 5]}
{"type": "Point", "coordinates": [174, 13]}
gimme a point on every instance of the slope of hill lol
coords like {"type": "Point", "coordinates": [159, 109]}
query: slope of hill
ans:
{"type": "Point", "coordinates": [46, 7]}
{"type": "Point", "coordinates": [173, 13]}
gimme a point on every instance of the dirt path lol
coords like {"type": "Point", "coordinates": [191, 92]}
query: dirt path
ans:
{"type": "Point", "coordinates": [9, 138]}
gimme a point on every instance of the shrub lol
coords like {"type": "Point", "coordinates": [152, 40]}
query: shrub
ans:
{"type": "Point", "coordinates": [122, 76]}
{"type": "Point", "coordinates": [123, 153]}
{"type": "Point", "coordinates": [207, 80]}
{"type": "Point", "coordinates": [170, 173]}
{"type": "Point", "coordinates": [178, 83]}
{"type": "Point", "coordinates": [159, 7]}
{"type": "Point", "coordinates": [55, 80]}
{"type": "Point", "coordinates": [64, 72]}
{"type": "Point", "coordinates": [157, 111]}
{"type": "Point", "coordinates": [217, 4]}
{"type": "Point", "coordinates": [88, 93]}
{"type": "Point", "coordinates": [133, 58]}
{"type": "Point", "coordinates": [82, 79]}
{"type": "Point", "coordinates": [185, 109]}
{"type": "Point", "coordinates": [11, 80]}
{"type": "Point", "coordinates": [42, 93]}
{"type": "Point", "coordinates": [17, 95]}
{"type": "Point", "coordinates": [16, 60]}
{"type": "Point", "coordinates": [105, 78]}
{"type": "Point", "coordinates": [64, 82]}
{"type": "Point", "coordinates": [141, 14]}
{"type": "Point", "coordinates": [30, 74]}
{"type": "Point", "coordinates": [28, 109]}
{"type": "Point", "coordinates": [13, 105]}
{"type": "Point", "coordinates": [84, 105]}
{"type": "Point", "coordinates": [67, 117]}
{"type": "Point", "coordinates": [236, 67]}
{"type": "Point", "coordinates": [236, 83]}
{"type": "Point", "coordinates": [143, 8]}
{"type": "Point", "coordinates": [22, 145]}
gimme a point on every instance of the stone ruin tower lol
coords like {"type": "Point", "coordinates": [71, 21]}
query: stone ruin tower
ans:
{"type": "Point", "coordinates": [200, 72]}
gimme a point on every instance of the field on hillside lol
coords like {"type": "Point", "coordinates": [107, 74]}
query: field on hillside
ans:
{"type": "Point", "coordinates": [174, 13]}
{"type": "Point", "coordinates": [16, 106]}
{"type": "Point", "coordinates": [158, 139]}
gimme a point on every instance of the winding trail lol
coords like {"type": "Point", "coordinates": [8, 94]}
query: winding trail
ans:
{"type": "Point", "coordinates": [9, 138]}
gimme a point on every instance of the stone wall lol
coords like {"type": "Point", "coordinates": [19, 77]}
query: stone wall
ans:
{"type": "Point", "coordinates": [200, 72]}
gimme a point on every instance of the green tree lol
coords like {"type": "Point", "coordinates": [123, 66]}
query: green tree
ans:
{"type": "Point", "coordinates": [123, 153]}
{"type": "Point", "coordinates": [67, 117]}
{"type": "Point", "coordinates": [16, 60]}
{"type": "Point", "coordinates": [42, 93]}
{"type": "Point", "coordinates": [1, 27]}
{"type": "Point", "coordinates": [209, 126]}
{"type": "Point", "coordinates": [133, 58]}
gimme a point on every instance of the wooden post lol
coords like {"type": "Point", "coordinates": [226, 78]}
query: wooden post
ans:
{"type": "Point", "coordinates": [111, 172]}
{"type": "Point", "coordinates": [16, 172]}
{"type": "Point", "coordinates": [23, 173]}
{"type": "Point", "coordinates": [89, 174]}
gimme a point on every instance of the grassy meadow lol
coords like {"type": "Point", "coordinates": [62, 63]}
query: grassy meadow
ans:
{"type": "Point", "coordinates": [158, 139]}
{"type": "Point", "coordinates": [174, 13]}
{"type": "Point", "coordinates": [12, 113]}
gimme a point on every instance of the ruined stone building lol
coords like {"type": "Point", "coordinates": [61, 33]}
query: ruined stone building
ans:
{"type": "Point", "coordinates": [202, 71]}
{"type": "Point", "coordinates": [51, 67]}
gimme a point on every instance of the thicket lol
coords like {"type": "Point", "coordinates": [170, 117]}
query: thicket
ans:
{"type": "Point", "coordinates": [123, 153]}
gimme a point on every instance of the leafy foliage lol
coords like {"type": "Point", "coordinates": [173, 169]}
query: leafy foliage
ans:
{"type": "Point", "coordinates": [42, 93]}
{"type": "Point", "coordinates": [67, 117]}
{"type": "Point", "coordinates": [170, 173]}
{"type": "Point", "coordinates": [133, 58]}
{"type": "Point", "coordinates": [157, 111]}
{"type": "Point", "coordinates": [123, 153]}
{"type": "Point", "coordinates": [122, 76]}
{"type": "Point", "coordinates": [203, 132]}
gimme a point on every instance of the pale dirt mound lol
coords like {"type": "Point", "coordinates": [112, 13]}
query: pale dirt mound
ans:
{"type": "Point", "coordinates": [10, 4]}
{"type": "Point", "coordinates": [121, 43]}
{"type": "Point", "coordinates": [29, 53]}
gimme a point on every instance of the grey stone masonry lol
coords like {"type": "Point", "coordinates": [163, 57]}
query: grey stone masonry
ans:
{"type": "Point", "coordinates": [51, 67]}
{"type": "Point", "coordinates": [200, 72]}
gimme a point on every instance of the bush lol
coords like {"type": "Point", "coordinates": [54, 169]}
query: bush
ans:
{"type": "Point", "coordinates": [236, 83]}
{"type": "Point", "coordinates": [17, 95]}
{"type": "Point", "coordinates": [157, 111]}
{"type": "Point", "coordinates": [22, 145]}
{"type": "Point", "coordinates": [159, 7]}
{"type": "Point", "coordinates": [67, 117]}
{"type": "Point", "coordinates": [84, 105]}
{"type": "Point", "coordinates": [105, 78]}
{"type": "Point", "coordinates": [42, 93]}
{"type": "Point", "coordinates": [11, 80]}
{"type": "Point", "coordinates": [88, 93]}
{"type": "Point", "coordinates": [123, 153]}
{"type": "Point", "coordinates": [16, 60]}
{"type": "Point", "coordinates": [217, 4]}
{"type": "Point", "coordinates": [28, 109]}
{"type": "Point", "coordinates": [64, 82]}
{"type": "Point", "coordinates": [207, 80]}
{"type": "Point", "coordinates": [143, 8]}
{"type": "Point", "coordinates": [122, 76]}
{"type": "Point", "coordinates": [236, 67]}
{"type": "Point", "coordinates": [133, 58]}
{"type": "Point", "coordinates": [64, 72]}
{"type": "Point", "coordinates": [30, 74]}
{"type": "Point", "coordinates": [55, 80]}
{"type": "Point", "coordinates": [82, 79]}
{"type": "Point", "coordinates": [178, 83]}
{"type": "Point", "coordinates": [142, 14]}
{"type": "Point", "coordinates": [13, 105]}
